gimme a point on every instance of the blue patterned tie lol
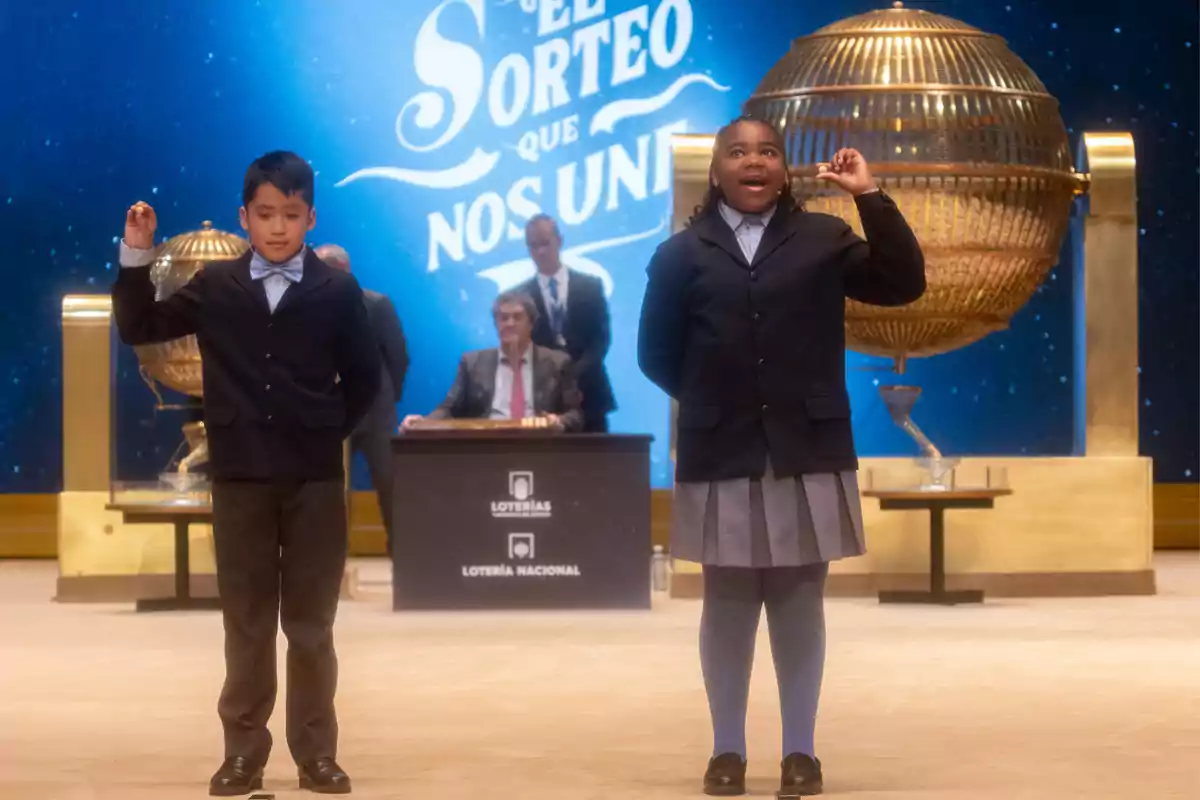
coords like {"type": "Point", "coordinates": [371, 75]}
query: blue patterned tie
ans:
{"type": "Point", "coordinates": [556, 309]}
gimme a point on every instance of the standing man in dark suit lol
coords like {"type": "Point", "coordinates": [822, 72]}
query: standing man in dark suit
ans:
{"type": "Point", "coordinates": [572, 317]}
{"type": "Point", "coordinates": [290, 367]}
{"type": "Point", "coordinates": [516, 380]}
{"type": "Point", "coordinates": [373, 435]}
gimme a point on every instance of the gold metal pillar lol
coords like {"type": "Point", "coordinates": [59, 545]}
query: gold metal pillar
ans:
{"type": "Point", "coordinates": [691, 155]}
{"type": "Point", "coordinates": [100, 558]}
{"type": "Point", "coordinates": [1106, 295]}
{"type": "Point", "coordinates": [87, 402]}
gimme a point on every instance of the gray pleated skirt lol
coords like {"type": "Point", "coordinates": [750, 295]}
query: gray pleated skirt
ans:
{"type": "Point", "coordinates": [773, 522]}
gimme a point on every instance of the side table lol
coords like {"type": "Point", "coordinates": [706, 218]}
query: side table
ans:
{"type": "Point", "coordinates": [181, 517]}
{"type": "Point", "coordinates": [937, 503]}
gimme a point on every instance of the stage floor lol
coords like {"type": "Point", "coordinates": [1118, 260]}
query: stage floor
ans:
{"type": "Point", "coordinates": [1090, 698]}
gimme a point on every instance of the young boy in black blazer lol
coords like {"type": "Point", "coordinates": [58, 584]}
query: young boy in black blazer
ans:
{"type": "Point", "coordinates": [289, 365]}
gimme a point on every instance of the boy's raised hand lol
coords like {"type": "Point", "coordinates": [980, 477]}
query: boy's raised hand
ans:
{"type": "Point", "coordinates": [140, 224]}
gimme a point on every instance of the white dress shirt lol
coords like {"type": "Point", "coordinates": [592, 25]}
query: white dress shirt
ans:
{"type": "Point", "coordinates": [748, 228]}
{"type": "Point", "coordinates": [502, 394]}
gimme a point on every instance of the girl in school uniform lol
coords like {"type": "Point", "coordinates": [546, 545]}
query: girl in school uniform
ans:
{"type": "Point", "coordinates": [743, 324]}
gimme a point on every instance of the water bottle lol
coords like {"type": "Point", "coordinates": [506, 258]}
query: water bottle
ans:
{"type": "Point", "coordinates": [660, 570]}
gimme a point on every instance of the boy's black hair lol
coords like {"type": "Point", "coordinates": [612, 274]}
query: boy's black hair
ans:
{"type": "Point", "coordinates": [286, 171]}
{"type": "Point", "coordinates": [713, 195]}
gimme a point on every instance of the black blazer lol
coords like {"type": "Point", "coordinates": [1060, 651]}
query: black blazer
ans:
{"type": "Point", "coordinates": [588, 336]}
{"type": "Point", "coordinates": [281, 390]}
{"type": "Point", "coordinates": [755, 353]}
{"type": "Point", "coordinates": [554, 388]}
{"type": "Point", "coordinates": [389, 334]}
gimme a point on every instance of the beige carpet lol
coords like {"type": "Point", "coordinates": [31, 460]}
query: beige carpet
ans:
{"type": "Point", "coordinates": [1015, 699]}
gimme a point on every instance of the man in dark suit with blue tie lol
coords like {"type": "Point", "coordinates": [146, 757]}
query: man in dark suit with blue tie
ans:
{"type": "Point", "coordinates": [572, 317]}
{"type": "Point", "coordinates": [373, 436]}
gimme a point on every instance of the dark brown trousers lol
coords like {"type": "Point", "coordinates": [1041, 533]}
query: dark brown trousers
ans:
{"type": "Point", "coordinates": [281, 553]}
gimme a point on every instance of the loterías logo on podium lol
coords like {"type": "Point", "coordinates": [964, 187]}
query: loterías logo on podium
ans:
{"type": "Point", "coordinates": [521, 503]}
{"type": "Point", "coordinates": [568, 123]}
{"type": "Point", "coordinates": [521, 546]}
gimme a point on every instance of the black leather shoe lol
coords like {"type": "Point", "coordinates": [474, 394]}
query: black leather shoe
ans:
{"type": "Point", "coordinates": [324, 776]}
{"type": "Point", "coordinates": [238, 775]}
{"type": "Point", "coordinates": [801, 777]}
{"type": "Point", "coordinates": [725, 776]}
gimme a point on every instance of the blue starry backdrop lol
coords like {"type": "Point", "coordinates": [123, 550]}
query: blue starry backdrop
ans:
{"type": "Point", "coordinates": [437, 127]}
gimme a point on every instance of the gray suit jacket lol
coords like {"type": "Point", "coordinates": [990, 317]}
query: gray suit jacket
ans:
{"type": "Point", "coordinates": [554, 387]}
{"type": "Point", "coordinates": [385, 323]}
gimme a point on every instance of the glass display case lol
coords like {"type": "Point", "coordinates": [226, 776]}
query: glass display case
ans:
{"type": "Point", "coordinates": [159, 453]}
{"type": "Point", "coordinates": [161, 494]}
{"type": "Point", "coordinates": [935, 476]}
{"type": "Point", "coordinates": [161, 449]}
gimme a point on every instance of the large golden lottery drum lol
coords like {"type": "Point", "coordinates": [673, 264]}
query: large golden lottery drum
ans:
{"type": "Point", "coordinates": [176, 363]}
{"type": "Point", "coordinates": [965, 138]}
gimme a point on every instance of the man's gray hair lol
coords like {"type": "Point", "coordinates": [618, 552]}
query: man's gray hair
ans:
{"type": "Point", "coordinates": [334, 255]}
{"type": "Point", "coordinates": [514, 297]}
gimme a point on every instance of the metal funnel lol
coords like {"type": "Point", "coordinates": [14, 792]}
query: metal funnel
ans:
{"type": "Point", "coordinates": [900, 401]}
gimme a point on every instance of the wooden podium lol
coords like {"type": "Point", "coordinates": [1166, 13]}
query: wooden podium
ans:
{"type": "Point", "coordinates": [503, 515]}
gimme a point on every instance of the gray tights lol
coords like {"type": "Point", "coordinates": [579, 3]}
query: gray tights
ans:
{"type": "Point", "coordinates": [733, 601]}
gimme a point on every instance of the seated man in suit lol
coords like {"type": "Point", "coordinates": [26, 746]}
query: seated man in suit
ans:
{"type": "Point", "coordinates": [515, 380]}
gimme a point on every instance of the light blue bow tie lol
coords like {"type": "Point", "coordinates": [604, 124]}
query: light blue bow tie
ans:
{"type": "Point", "coordinates": [261, 268]}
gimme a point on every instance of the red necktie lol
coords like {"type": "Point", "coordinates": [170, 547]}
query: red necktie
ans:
{"type": "Point", "coordinates": [517, 406]}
